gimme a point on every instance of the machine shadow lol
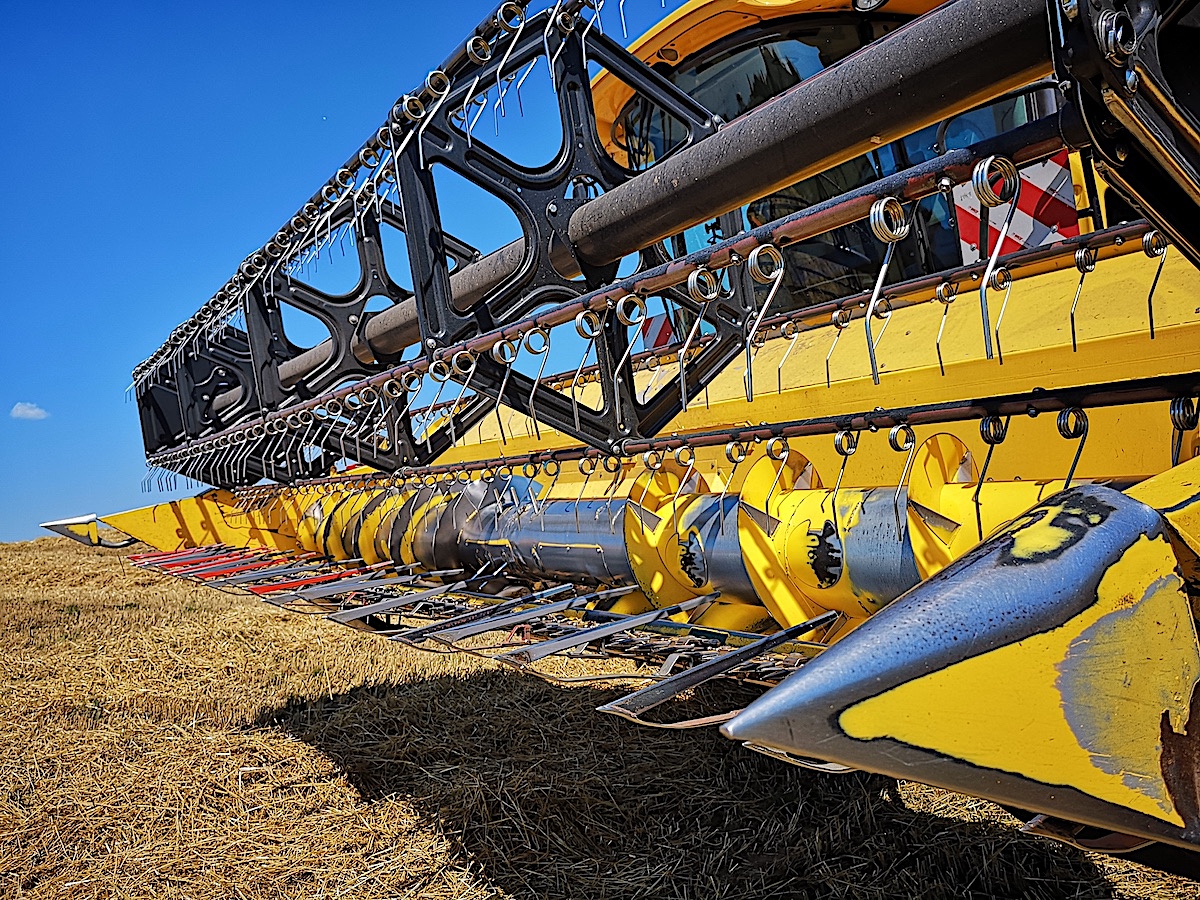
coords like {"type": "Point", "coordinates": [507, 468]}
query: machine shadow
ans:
{"type": "Point", "coordinates": [546, 797]}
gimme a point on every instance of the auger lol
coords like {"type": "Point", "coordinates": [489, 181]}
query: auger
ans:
{"type": "Point", "coordinates": [840, 352]}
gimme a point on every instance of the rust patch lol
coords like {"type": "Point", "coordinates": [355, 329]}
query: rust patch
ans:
{"type": "Point", "coordinates": [1181, 765]}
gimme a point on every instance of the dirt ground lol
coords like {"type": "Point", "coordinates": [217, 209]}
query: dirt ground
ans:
{"type": "Point", "coordinates": [165, 740]}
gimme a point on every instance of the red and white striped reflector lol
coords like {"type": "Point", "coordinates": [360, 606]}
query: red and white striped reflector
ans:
{"type": "Point", "coordinates": [657, 331]}
{"type": "Point", "coordinates": [1045, 210]}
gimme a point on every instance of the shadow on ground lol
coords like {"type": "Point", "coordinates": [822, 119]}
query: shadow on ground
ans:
{"type": "Point", "coordinates": [545, 797]}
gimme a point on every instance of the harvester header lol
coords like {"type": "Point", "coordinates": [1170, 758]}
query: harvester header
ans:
{"type": "Point", "coordinates": [844, 350]}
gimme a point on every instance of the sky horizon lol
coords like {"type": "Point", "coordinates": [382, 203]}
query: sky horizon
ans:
{"type": "Point", "coordinates": [149, 150]}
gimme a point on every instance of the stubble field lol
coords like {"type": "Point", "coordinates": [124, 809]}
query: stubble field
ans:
{"type": "Point", "coordinates": [166, 740]}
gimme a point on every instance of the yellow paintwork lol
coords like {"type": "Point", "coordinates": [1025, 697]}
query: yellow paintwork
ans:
{"type": "Point", "coordinates": [210, 518]}
{"type": "Point", "coordinates": [1081, 705]}
{"type": "Point", "coordinates": [1113, 343]}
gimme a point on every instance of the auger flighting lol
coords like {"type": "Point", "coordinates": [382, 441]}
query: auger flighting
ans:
{"type": "Point", "coordinates": [661, 421]}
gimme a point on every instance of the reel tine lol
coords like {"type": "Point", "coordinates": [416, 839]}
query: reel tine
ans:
{"type": "Point", "coordinates": [946, 293]}
{"type": "Point", "coordinates": [691, 467]}
{"type": "Point", "coordinates": [902, 439]}
{"type": "Point", "coordinates": [1184, 418]}
{"type": "Point", "coordinates": [1154, 243]}
{"type": "Point", "coordinates": [771, 274]}
{"type": "Point", "coordinates": [987, 170]}
{"type": "Point", "coordinates": [840, 319]}
{"type": "Point", "coordinates": [1073, 425]}
{"type": "Point", "coordinates": [792, 331]}
{"type": "Point", "coordinates": [993, 430]}
{"type": "Point", "coordinates": [1085, 261]}
{"type": "Point", "coordinates": [890, 225]}
{"type": "Point", "coordinates": [1001, 280]}
{"type": "Point", "coordinates": [587, 465]}
{"type": "Point", "coordinates": [703, 287]}
{"type": "Point", "coordinates": [588, 325]}
{"type": "Point", "coordinates": [736, 452]}
{"type": "Point", "coordinates": [544, 352]}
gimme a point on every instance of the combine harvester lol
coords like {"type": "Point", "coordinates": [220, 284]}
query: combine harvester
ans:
{"type": "Point", "coordinates": [873, 331]}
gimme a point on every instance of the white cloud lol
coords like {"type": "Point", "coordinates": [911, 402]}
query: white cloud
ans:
{"type": "Point", "coordinates": [29, 411]}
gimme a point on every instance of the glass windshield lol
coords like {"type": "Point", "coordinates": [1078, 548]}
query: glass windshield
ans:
{"type": "Point", "coordinates": [734, 80]}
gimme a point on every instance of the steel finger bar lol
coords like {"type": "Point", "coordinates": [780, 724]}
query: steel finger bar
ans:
{"type": "Point", "coordinates": [585, 636]}
{"type": "Point", "coordinates": [634, 705]}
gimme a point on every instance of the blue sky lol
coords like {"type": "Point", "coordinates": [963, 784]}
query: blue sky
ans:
{"type": "Point", "coordinates": [147, 148]}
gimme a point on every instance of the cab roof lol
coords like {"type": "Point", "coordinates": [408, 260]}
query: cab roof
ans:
{"type": "Point", "coordinates": [702, 23]}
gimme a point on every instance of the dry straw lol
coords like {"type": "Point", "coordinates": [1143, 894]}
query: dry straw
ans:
{"type": "Point", "coordinates": [164, 740]}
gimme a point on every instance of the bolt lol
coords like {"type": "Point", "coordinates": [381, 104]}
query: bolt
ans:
{"type": "Point", "coordinates": [1131, 81]}
{"type": "Point", "coordinates": [552, 208]}
{"type": "Point", "coordinates": [1121, 152]}
{"type": "Point", "coordinates": [353, 320]}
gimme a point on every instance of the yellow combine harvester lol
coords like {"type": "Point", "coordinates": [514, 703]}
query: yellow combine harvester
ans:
{"type": "Point", "coordinates": [873, 329]}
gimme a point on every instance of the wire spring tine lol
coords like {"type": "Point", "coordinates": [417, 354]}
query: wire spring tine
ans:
{"type": "Point", "coordinates": [840, 318]}
{"type": "Point", "coordinates": [1184, 418]}
{"type": "Point", "coordinates": [845, 442]}
{"type": "Point", "coordinates": [530, 471]}
{"type": "Point", "coordinates": [463, 364]}
{"type": "Point", "coordinates": [613, 466]}
{"type": "Point", "coordinates": [778, 450]}
{"type": "Point", "coordinates": [1154, 244]}
{"type": "Point", "coordinates": [736, 452]}
{"type": "Point", "coordinates": [588, 325]}
{"type": "Point", "coordinates": [504, 16]}
{"type": "Point", "coordinates": [544, 352]}
{"type": "Point", "coordinates": [630, 311]}
{"type": "Point", "coordinates": [1085, 261]}
{"type": "Point", "coordinates": [442, 376]}
{"type": "Point", "coordinates": [682, 453]}
{"type": "Point", "coordinates": [902, 439]}
{"type": "Point", "coordinates": [890, 225]}
{"type": "Point", "coordinates": [587, 465]}
{"type": "Point", "coordinates": [478, 51]}
{"type": "Point", "coordinates": [703, 287]}
{"type": "Point", "coordinates": [505, 353]}
{"type": "Point", "coordinates": [653, 462]}
{"type": "Point", "coordinates": [993, 430]}
{"type": "Point", "coordinates": [594, 21]}
{"type": "Point", "coordinates": [1001, 280]}
{"type": "Point", "coordinates": [771, 273]}
{"type": "Point", "coordinates": [564, 23]}
{"type": "Point", "coordinates": [946, 293]}
{"type": "Point", "coordinates": [486, 477]}
{"type": "Point", "coordinates": [546, 468]}
{"type": "Point", "coordinates": [1073, 426]}
{"type": "Point", "coordinates": [410, 383]}
{"type": "Point", "coordinates": [791, 331]}
{"type": "Point", "coordinates": [994, 168]}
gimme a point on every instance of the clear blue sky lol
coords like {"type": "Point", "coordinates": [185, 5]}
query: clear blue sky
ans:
{"type": "Point", "coordinates": [146, 149]}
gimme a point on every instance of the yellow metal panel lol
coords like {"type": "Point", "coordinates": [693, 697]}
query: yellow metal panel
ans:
{"type": "Point", "coordinates": [1081, 705]}
{"type": "Point", "coordinates": [211, 518]}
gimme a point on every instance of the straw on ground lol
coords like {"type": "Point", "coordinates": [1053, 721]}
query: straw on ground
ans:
{"type": "Point", "coordinates": [165, 740]}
